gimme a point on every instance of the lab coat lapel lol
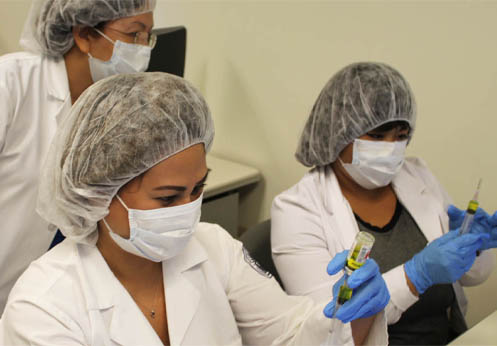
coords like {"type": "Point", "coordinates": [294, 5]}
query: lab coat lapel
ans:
{"type": "Point", "coordinates": [337, 207]}
{"type": "Point", "coordinates": [129, 326]}
{"type": "Point", "coordinates": [182, 289]}
{"type": "Point", "coordinates": [420, 203]}
{"type": "Point", "coordinates": [118, 319]}
{"type": "Point", "coordinates": [58, 87]}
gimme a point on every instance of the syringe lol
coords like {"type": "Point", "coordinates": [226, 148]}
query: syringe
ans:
{"type": "Point", "coordinates": [470, 212]}
{"type": "Point", "coordinates": [359, 253]}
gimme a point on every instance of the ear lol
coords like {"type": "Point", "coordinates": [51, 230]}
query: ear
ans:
{"type": "Point", "coordinates": [82, 38]}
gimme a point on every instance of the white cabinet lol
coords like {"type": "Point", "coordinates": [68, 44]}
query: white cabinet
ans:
{"type": "Point", "coordinates": [221, 193]}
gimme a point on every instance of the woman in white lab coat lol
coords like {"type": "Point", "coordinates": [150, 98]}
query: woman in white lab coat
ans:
{"type": "Point", "coordinates": [355, 139]}
{"type": "Point", "coordinates": [123, 181]}
{"type": "Point", "coordinates": [37, 88]}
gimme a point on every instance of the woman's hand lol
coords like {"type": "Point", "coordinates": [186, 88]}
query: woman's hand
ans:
{"type": "Point", "coordinates": [482, 223]}
{"type": "Point", "coordinates": [370, 294]}
{"type": "Point", "coordinates": [444, 260]}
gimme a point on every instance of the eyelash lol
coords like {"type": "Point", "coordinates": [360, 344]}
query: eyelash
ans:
{"type": "Point", "coordinates": [198, 188]}
{"type": "Point", "coordinates": [380, 136]}
{"type": "Point", "coordinates": [170, 199]}
{"type": "Point", "coordinates": [375, 136]}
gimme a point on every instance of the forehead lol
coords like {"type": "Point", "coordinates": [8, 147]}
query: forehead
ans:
{"type": "Point", "coordinates": [184, 168]}
{"type": "Point", "coordinates": [144, 20]}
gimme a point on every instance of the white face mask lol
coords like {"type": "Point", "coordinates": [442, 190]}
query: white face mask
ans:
{"type": "Point", "coordinates": [375, 164]}
{"type": "Point", "coordinates": [126, 58]}
{"type": "Point", "coordinates": [159, 234]}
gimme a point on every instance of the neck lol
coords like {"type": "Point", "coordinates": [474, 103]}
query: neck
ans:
{"type": "Point", "coordinates": [128, 268]}
{"type": "Point", "coordinates": [78, 72]}
{"type": "Point", "coordinates": [353, 191]}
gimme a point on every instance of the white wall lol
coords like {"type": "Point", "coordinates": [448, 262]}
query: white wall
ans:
{"type": "Point", "coordinates": [261, 65]}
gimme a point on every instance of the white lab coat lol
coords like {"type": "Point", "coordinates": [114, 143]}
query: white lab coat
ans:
{"type": "Point", "coordinates": [34, 92]}
{"type": "Point", "coordinates": [214, 296]}
{"type": "Point", "coordinates": [312, 222]}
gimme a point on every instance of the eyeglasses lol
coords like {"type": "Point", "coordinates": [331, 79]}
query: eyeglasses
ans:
{"type": "Point", "coordinates": [141, 37]}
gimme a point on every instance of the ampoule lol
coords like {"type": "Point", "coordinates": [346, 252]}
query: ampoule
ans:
{"type": "Point", "coordinates": [358, 254]}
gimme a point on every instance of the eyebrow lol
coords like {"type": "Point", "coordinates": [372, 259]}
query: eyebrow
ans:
{"type": "Point", "coordinates": [182, 188]}
{"type": "Point", "coordinates": [130, 25]}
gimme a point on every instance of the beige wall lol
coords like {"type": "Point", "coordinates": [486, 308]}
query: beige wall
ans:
{"type": "Point", "coordinates": [261, 65]}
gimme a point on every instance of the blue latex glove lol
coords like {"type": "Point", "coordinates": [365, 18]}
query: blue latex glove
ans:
{"type": "Point", "coordinates": [482, 223]}
{"type": "Point", "coordinates": [370, 291]}
{"type": "Point", "coordinates": [444, 260]}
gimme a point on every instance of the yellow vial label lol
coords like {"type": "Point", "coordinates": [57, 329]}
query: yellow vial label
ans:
{"type": "Point", "coordinates": [354, 264]}
{"type": "Point", "coordinates": [359, 255]}
{"type": "Point", "coordinates": [473, 206]}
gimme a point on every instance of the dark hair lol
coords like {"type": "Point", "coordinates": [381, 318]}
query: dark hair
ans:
{"type": "Point", "coordinates": [400, 124]}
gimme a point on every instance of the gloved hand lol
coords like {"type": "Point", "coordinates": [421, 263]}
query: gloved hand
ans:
{"type": "Point", "coordinates": [444, 260]}
{"type": "Point", "coordinates": [482, 223]}
{"type": "Point", "coordinates": [370, 291]}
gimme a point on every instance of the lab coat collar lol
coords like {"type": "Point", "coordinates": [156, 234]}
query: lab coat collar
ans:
{"type": "Point", "coordinates": [57, 80]}
{"type": "Point", "coordinates": [337, 206]}
{"type": "Point", "coordinates": [411, 191]}
{"type": "Point", "coordinates": [127, 324]}
{"type": "Point", "coordinates": [182, 290]}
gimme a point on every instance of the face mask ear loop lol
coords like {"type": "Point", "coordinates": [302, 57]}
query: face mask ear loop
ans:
{"type": "Point", "coordinates": [122, 202]}
{"type": "Point", "coordinates": [105, 36]}
{"type": "Point", "coordinates": [107, 225]}
{"type": "Point", "coordinates": [105, 222]}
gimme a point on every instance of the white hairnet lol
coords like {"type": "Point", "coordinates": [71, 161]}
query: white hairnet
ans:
{"type": "Point", "coordinates": [48, 29]}
{"type": "Point", "coordinates": [119, 128]}
{"type": "Point", "coordinates": [357, 99]}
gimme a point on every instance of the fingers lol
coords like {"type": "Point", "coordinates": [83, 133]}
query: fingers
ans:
{"type": "Point", "coordinates": [374, 305]}
{"type": "Point", "coordinates": [468, 241]}
{"type": "Point", "coordinates": [481, 222]}
{"type": "Point", "coordinates": [447, 237]}
{"type": "Point", "coordinates": [366, 300]}
{"type": "Point", "coordinates": [455, 214]}
{"type": "Point", "coordinates": [329, 309]}
{"type": "Point", "coordinates": [363, 274]}
{"type": "Point", "coordinates": [493, 220]}
{"type": "Point", "coordinates": [469, 262]}
{"type": "Point", "coordinates": [337, 263]}
{"type": "Point", "coordinates": [470, 249]}
{"type": "Point", "coordinates": [456, 217]}
{"type": "Point", "coordinates": [481, 214]}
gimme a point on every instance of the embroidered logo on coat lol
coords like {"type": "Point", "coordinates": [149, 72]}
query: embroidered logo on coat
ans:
{"type": "Point", "coordinates": [255, 265]}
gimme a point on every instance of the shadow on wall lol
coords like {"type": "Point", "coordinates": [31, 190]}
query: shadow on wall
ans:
{"type": "Point", "coordinates": [241, 136]}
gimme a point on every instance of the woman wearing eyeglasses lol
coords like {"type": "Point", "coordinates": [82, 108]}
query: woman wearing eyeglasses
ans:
{"type": "Point", "coordinates": [70, 44]}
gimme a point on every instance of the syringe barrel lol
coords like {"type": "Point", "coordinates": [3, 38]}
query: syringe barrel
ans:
{"type": "Point", "coordinates": [466, 223]}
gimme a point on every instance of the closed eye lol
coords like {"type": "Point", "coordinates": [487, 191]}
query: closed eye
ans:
{"type": "Point", "coordinates": [167, 200]}
{"type": "Point", "coordinates": [198, 189]}
{"type": "Point", "coordinates": [375, 136]}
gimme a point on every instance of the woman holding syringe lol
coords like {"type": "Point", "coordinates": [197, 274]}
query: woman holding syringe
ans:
{"type": "Point", "coordinates": [355, 138]}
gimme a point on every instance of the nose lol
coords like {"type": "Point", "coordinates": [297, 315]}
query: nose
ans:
{"type": "Point", "coordinates": [391, 137]}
